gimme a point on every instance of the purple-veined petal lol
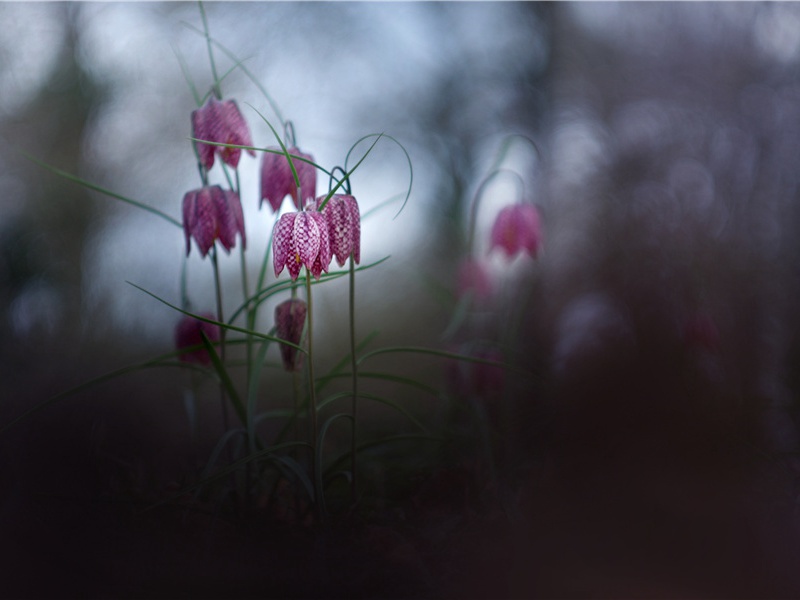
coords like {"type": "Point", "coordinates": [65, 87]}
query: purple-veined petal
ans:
{"type": "Point", "coordinates": [324, 257]}
{"type": "Point", "coordinates": [276, 179]}
{"type": "Point", "coordinates": [201, 130]}
{"type": "Point", "coordinates": [306, 174]}
{"type": "Point", "coordinates": [353, 227]}
{"type": "Point", "coordinates": [306, 238]}
{"type": "Point", "coordinates": [204, 225]}
{"type": "Point", "coordinates": [235, 131]}
{"type": "Point", "coordinates": [290, 317]}
{"type": "Point", "coordinates": [230, 220]}
{"type": "Point", "coordinates": [282, 242]}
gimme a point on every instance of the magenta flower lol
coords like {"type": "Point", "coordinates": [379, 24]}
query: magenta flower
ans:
{"type": "Point", "coordinates": [220, 122]}
{"type": "Point", "coordinates": [301, 238]}
{"type": "Point", "coordinates": [517, 228]}
{"type": "Point", "coordinates": [187, 334]}
{"type": "Point", "coordinates": [290, 318]}
{"type": "Point", "coordinates": [344, 226]}
{"type": "Point", "coordinates": [210, 214]}
{"type": "Point", "coordinates": [277, 180]}
{"type": "Point", "coordinates": [474, 277]}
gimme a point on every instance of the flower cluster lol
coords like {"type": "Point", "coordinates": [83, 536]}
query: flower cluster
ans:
{"type": "Point", "coordinates": [311, 238]}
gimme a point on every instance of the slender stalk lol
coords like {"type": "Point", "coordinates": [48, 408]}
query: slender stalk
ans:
{"type": "Point", "coordinates": [354, 367]}
{"type": "Point", "coordinates": [217, 91]}
{"type": "Point", "coordinates": [221, 319]}
{"type": "Point", "coordinates": [312, 404]}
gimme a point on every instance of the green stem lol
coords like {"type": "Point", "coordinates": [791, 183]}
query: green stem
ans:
{"type": "Point", "coordinates": [316, 473]}
{"type": "Point", "coordinates": [217, 91]}
{"type": "Point", "coordinates": [354, 366]}
{"type": "Point", "coordinates": [221, 319]}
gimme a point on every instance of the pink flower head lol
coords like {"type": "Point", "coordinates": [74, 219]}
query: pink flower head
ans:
{"type": "Point", "coordinates": [187, 334]}
{"type": "Point", "coordinates": [220, 122]}
{"type": "Point", "coordinates": [474, 278]}
{"type": "Point", "coordinates": [290, 318]}
{"type": "Point", "coordinates": [301, 238]}
{"type": "Point", "coordinates": [277, 180]}
{"type": "Point", "coordinates": [210, 214]}
{"type": "Point", "coordinates": [517, 228]}
{"type": "Point", "coordinates": [344, 226]}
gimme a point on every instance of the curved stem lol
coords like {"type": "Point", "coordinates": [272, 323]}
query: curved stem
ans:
{"type": "Point", "coordinates": [217, 91]}
{"type": "Point", "coordinates": [221, 319]}
{"type": "Point", "coordinates": [354, 367]}
{"type": "Point", "coordinates": [316, 473]}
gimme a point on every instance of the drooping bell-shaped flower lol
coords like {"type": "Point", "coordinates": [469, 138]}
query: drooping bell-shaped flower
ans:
{"type": "Point", "coordinates": [517, 229]}
{"type": "Point", "coordinates": [220, 121]}
{"type": "Point", "coordinates": [344, 226]}
{"type": "Point", "coordinates": [290, 318]}
{"type": "Point", "coordinates": [301, 239]}
{"type": "Point", "coordinates": [277, 180]}
{"type": "Point", "coordinates": [188, 334]}
{"type": "Point", "coordinates": [211, 213]}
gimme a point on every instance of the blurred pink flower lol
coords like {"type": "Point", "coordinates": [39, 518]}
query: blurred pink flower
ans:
{"type": "Point", "coordinates": [220, 121]}
{"type": "Point", "coordinates": [301, 238]}
{"type": "Point", "coordinates": [473, 277]}
{"type": "Point", "coordinates": [277, 180]}
{"type": "Point", "coordinates": [290, 318]}
{"type": "Point", "coordinates": [516, 229]}
{"type": "Point", "coordinates": [210, 214]}
{"type": "Point", "coordinates": [344, 226]}
{"type": "Point", "coordinates": [187, 334]}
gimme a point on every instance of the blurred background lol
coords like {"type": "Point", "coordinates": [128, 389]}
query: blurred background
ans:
{"type": "Point", "coordinates": [659, 317]}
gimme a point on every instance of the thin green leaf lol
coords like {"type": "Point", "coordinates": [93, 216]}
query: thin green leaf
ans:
{"type": "Point", "coordinates": [102, 190]}
{"type": "Point", "coordinates": [217, 323]}
{"type": "Point", "coordinates": [224, 472]}
{"type": "Point", "coordinates": [225, 378]}
{"type": "Point", "coordinates": [379, 399]}
{"type": "Point", "coordinates": [158, 361]}
{"type": "Point", "coordinates": [385, 377]}
{"type": "Point", "coordinates": [348, 173]}
{"type": "Point", "coordinates": [408, 158]}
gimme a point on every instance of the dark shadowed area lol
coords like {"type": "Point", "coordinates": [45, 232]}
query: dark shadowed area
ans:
{"type": "Point", "coordinates": [640, 439]}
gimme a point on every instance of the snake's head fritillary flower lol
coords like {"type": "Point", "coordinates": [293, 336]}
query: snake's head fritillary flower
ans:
{"type": "Point", "coordinates": [344, 226]}
{"type": "Point", "coordinates": [301, 239]}
{"type": "Point", "coordinates": [277, 180]}
{"type": "Point", "coordinates": [517, 229]}
{"type": "Point", "coordinates": [188, 334]}
{"type": "Point", "coordinates": [221, 122]}
{"type": "Point", "coordinates": [473, 277]}
{"type": "Point", "coordinates": [290, 318]}
{"type": "Point", "coordinates": [211, 213]}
